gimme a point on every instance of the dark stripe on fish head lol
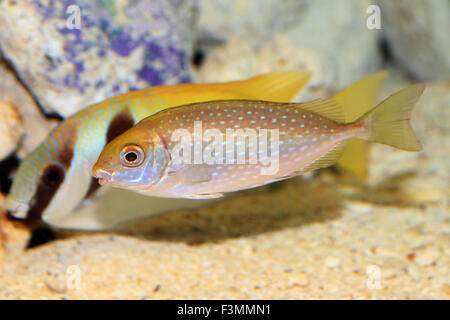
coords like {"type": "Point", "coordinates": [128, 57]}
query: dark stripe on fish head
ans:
{"type": "Point", "coordinates": [66, 146]}
{"type": "Point", "coordinates": [119, 124]}
{"type": "Point", "coordinates": [51, 179]}
{"type": "Point", "coordinates": [50, 163]}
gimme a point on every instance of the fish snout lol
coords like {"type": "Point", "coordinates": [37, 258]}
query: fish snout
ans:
{"type": "Point", "coordinates": [102, 175]}
{"type": "Point", "coordinates": [16, 210]}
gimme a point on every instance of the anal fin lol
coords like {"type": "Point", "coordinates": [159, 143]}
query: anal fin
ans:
{"type": "Point", "coordinates": [326, 160]}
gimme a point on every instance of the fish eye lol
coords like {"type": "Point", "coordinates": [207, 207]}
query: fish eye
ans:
{"type": "Point", "coordinates": [132, 156]}
{"type": "Point", "coordinates": [52, 175]}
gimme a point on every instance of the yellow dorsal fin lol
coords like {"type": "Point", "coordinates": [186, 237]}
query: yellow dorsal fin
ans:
{"type": "Point", "coordinates": [360, 97]}
{"type": "Point", "coordinates": [327, 108]}
{"type": "Point", "coordinates": [326, 160]}
{"type": "Point", "coordinates": [275, 86]}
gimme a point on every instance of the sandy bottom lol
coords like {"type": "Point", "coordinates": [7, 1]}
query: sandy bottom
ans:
{"type": "Point", "coordinates": [325, 236]}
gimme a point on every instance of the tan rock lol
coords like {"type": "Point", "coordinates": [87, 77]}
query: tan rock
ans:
{"type": "Point", "coordinates": [11, 129]}
{"type": "Point", "coordinates": [35, 123]}
{"type": "Point", "coordinates": [283, 35]}
{"type": "Point", "coordinates": [332, 262]}
{"type": "Point", "coordinates": [13, 235]}
{"type": "Point", "coordinates": [424, 26]}
{"type": "Point", "coordinates": [427, 257]}
{"type": "Point", "coordinates": [413, 272]}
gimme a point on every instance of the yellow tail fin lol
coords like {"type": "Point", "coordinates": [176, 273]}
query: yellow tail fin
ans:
{"type": "Point", "coordinates": [388, 123]}
{"type": "Point", "coordinates": [275, 86]}
{"type": "Point", "coordinates": [356, 101]}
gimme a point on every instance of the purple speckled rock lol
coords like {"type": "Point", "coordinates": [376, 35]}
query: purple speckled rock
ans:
{"type": "Point", "coordinates": [120, 46]}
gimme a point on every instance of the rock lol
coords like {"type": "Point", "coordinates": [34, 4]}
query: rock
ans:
{"type": "Point", "coordinates": [11, 129]}
{"type": "Point", "coordinates": [418, 33]}
{"type": "Point", "coordinates": [300, 279]}
{"type": "Point", "coordinates": [118, 46]}
{"type": "Point", "coordinates": [332, 262]}
{"type": "Point", "coordinates": [359, 206]}
{"type": "Point", "coordinates": [413, 272]}
{"type": "Point", "coordinates": [389, 273]}
{"type": "Point", "coordinates": [12, 92]}
{"type": "Point", "coordinates": [284, 35]}
{"type": "Point", "coordinates": [13, 236]}
{"type": "Point", "coordinates": [254, 20]}
{"type": "Point", "coordinates": [427, 256]}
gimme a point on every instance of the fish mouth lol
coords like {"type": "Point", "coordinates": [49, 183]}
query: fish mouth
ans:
{"type": "Point", "coordinates": [103, 176]}
{"type": "Point", "coordinates": [16, 209]}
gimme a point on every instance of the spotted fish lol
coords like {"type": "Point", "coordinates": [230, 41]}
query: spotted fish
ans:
{"type": "Point", "coordinates": [203, 150]}
{"type": "Point", "coordinates": [54, 180]}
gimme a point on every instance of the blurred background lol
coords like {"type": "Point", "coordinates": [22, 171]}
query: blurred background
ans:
{"type": "Point", "coordinates": [324, 236]}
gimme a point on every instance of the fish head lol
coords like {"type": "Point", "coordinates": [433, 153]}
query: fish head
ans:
{"type": "Point", "coordinates": [135, 160]}
{"type": "Point", "coordinates": [40, 176]}
{"type": "Point", "coordinates": [33, 187]}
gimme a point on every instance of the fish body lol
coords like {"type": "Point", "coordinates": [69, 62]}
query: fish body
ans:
{"type": "Point", "coordinates": [53, 181]}
{"type": "Point", "coordinates": [192, 151]}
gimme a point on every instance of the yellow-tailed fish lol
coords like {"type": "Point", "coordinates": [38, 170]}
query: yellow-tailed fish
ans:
{"type": "Point", "coordinates": [203, 150]}
{"type": "Point", "coordinates": [54, 180]}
